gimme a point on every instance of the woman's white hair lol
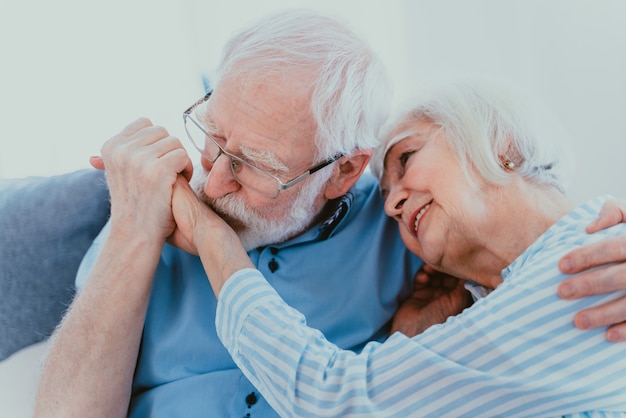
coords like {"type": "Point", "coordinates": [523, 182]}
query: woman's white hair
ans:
{"type": "Point", "coordinates": [350, 91]}
{"type": "Point", "coordinates": [489, 129]}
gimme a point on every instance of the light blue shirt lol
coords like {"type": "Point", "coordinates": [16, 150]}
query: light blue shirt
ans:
{"type": "Point", "coordinates": [514, 353]}
{"type": "Point", "coordinates": [347, 275]}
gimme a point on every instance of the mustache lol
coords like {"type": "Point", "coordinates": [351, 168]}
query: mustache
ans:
{"type": "Point", "coordinates": [217, 205]}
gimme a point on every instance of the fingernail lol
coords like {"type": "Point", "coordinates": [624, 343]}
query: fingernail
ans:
{"type": "Point", "coordinates": [566, 290]}
{"type": "Point", "coordinates": [613, 336]}
{"type": "Point", "coordinates": [566, 265]}
{"type": "Point", "coordinates": [583, 322]}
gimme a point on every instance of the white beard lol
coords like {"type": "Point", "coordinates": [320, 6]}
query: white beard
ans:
{"type": "Point", "coordinates": [274, 224]}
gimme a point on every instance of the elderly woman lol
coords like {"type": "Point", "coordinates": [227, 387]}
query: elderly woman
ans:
{"type": "Point", "coordinates": [476, 190]}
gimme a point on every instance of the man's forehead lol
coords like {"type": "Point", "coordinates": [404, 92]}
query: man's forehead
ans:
{"type": "Point", "coordinates": [265, 118]}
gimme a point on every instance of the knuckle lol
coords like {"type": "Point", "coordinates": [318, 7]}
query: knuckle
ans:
{"type": "Point", "coordinates": [588, 285]}
{"type": "Point", "coordinates": [107, 148]}
{"type": "Point", "coordinates": [621, 204]}
{"type": "Point", "coordinates": [143, 122]}
{"type": "Point", "coordinates": [611, 313]}
{"type": "Point", "coordinates": [620, 248]}
{"type": "Point", "coordinates": [584, 258]}
{"type": "Point", "coordinates": [160, 130]}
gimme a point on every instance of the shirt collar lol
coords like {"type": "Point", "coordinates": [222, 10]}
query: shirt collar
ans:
{"type": "Point", "coordinates": [337, 210]}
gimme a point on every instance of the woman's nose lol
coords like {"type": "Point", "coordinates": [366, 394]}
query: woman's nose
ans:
{"type": "Point", "coordinates": [220, 180]}
{"type": "Point", "coordinates": [395, 202]}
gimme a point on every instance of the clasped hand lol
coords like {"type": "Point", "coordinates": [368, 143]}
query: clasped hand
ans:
{"type": "Point", "coordinates": [148, 173]}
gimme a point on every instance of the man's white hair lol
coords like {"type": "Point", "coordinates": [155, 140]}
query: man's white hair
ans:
{"type": "Point", "coordinates": [350, 90]}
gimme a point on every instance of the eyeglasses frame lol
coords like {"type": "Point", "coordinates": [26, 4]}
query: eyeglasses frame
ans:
{"type": "Point", "coordinates": [279, 182]}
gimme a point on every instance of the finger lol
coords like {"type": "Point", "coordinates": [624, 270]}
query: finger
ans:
{"type": "Point", "coordinates": [164, 145]}
{"type": "Point", "coordinates": [171, 149]}
{"type": "Point", "coordinates": [96, 162]}
{"type": "Point", "coordinates": [451, 282]}
{"type": "Point", "coordinates": [429, 269]}
{"type": "Point", "coordinates": [135, 126]}
{"type": "Point", "coordinates": [151, 134]}
{"type": "Point", "coordinates": [595, 282]}
{"type": "Point", "coordinates": [611, 213]}
{"type": "Point", "coordinates": [141, 132]}
{"type": "Point", "coordinates": [610, 313]}
{"type": "Point", "coordinates": [179, 160]}
{"type": "Point", "coordinates": [616, 333]}
{"type": "Point", "coordinates": [187, 172]}
{"type": "Point", "coordinates": [606, 251]}
{"type": "Point", "coordinates": [421, 277]}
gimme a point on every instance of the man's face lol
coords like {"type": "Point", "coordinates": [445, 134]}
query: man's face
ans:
{"type": "Point", "coordinates": [269, 124]}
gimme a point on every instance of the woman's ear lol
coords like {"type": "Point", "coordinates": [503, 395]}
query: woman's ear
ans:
{"type": "Point", "coordinates": [347, 171]}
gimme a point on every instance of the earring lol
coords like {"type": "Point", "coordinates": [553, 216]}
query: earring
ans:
{"type": "Point", "coordinates": [509, 165]}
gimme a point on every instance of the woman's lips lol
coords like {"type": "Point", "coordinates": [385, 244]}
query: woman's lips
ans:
{"type": "Point", "coordinates": [418, 216]}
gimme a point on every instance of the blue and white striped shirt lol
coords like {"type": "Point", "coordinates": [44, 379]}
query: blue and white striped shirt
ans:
{"type": "Point", "coordinates": [183, 370]}
{"type": "Point", "coordinates": [513, 353]}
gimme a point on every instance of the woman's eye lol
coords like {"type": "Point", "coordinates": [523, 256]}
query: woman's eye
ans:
{"type": "Point", "coordinates": [404, 158]}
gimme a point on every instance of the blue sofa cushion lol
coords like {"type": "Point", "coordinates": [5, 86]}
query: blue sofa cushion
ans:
{"type": "Point", "coordinates": [46, 226]}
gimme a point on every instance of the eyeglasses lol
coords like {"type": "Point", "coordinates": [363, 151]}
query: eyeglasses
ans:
{"type": "Point", "coordinates": [246, 174]}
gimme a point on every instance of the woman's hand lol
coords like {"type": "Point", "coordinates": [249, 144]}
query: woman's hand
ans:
{"type": "Point", "coordinates": [201, 231]}
{"type": "Point", "coordinates": [142, 163]}
{"type": "Point", "coordinates": [436, 296]}
{"type": "Point", "coordinates": [607, 278]}
{"type": "Point", "coordinates": [190, 215]}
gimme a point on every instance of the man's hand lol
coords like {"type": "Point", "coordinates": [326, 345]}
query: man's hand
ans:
{"type": "Point", "coordinates": [95, 349]}
{"type": "Point", "coordinates": [436, 296]}
{"type": "Point", "coordinates": [142, 163]}
{"type": "Point", "coordinates": [606, 279]}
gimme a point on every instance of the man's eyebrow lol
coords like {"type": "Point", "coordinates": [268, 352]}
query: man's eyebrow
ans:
{"type": "Point", "coordinates": [256, 157]}
{"type": "Point", "coordinates": [212, 127]}
{"type": "Point", "coordinates": [264, 158]}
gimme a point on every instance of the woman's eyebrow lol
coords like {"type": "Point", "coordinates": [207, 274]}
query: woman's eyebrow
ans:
{"type": "Point", "coordinates": [264, 158]}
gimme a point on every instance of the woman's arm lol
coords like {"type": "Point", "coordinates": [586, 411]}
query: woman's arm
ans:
{"type": "Point", "coordinates": [606, 278]}
{"type": "Point", "coordinates": [496, 359]}
{"type": "Point", "coordinates": [201, 231]}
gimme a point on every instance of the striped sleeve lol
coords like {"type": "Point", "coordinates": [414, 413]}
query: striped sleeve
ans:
{"type": "Point", "coordinates": [514, 353]}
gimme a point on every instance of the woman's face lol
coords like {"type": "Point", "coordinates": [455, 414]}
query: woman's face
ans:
{"type": "Point", "coordinates": [441, 215]}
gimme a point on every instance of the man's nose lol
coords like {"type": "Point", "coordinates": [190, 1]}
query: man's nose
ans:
{"type": "Point", "coordinates": [220, 180]}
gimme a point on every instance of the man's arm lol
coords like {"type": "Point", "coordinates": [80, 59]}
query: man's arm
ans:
{"type": "Point", "coordinates": [93, 354]}
{"type": "Point", "coordinates": [601, 280]}
{"type": "Point", "coordinates": [92, 357]}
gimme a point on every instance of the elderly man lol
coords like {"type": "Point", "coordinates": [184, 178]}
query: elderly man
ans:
{"type": "Point", "coordinates": [287, 132]}
{"type": "Point", "coordinates": [285, 136]}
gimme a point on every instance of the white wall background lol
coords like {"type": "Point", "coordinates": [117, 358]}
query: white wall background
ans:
{"type": "Point", "coordinates": [74, 72]}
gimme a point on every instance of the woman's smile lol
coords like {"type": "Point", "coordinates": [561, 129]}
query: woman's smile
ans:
{"type": "Point", "coordinates": [418, 216]}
